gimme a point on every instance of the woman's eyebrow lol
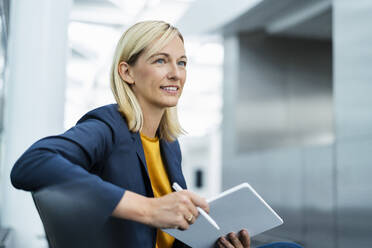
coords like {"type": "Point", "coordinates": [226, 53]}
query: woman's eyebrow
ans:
{"type": "Point", "coordinates": [166, 55]}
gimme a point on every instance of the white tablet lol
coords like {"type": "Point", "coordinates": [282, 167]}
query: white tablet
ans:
{"type": "Point", "coordinates": [237, 208]}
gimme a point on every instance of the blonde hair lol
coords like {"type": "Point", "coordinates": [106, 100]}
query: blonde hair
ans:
{"type": "Point", "coordinates": [133, 43]}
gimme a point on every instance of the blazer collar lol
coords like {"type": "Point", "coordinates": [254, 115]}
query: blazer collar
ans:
{"type": "Point", "coordinates": [139, 150]}
{"type": "Point", "coordinates": [171, 161]}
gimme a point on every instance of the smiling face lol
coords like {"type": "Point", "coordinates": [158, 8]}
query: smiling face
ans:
{"type": "Point", "coordinates": [157, 81]}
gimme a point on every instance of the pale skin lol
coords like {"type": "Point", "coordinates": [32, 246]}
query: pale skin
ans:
{"type": "Point", "coordinates": [157, 83]}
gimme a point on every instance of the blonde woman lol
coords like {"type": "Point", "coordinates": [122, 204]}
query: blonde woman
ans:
{"type": "Point", "coordinates": [127, 155]}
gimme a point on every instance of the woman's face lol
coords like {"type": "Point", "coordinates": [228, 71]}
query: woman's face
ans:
{"type": "Point", "coordinates": [158, 80]}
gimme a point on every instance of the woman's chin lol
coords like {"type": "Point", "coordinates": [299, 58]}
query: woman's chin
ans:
{"type": "Point", "coordinates": [170, 103]}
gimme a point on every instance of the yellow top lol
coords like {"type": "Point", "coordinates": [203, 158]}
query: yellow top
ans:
{"type": "Point", "coordinates": [159, 181]}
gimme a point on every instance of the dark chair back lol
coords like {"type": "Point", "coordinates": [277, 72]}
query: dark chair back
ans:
{"type": "Point", "coordinates": [68, 216]}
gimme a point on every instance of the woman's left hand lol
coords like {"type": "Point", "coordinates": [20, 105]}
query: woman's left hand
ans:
{"type": "Point", "coordinates": [233, 240]}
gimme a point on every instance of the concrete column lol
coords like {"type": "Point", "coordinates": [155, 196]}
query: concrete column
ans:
{"type": "Point", "coordinates": [352, 39]}
{"type": "Point", "coordinates": [34, 101]}
{"type": "Point", "coordinates": [230, 93]}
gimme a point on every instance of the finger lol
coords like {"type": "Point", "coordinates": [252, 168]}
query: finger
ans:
{"type": "Point", "coordinates": [183, 205]}
{"type": "Point", "coordinates": [199, 201]}
{"type": "Point", "coordinates": [244, 238]}
{"type": "Point", "coordinates": [219, 244]}
{"type": "Point", "coordinates": [225, 243]}
{"type": "Point", "coordinates": [234, 240]}
{"type": "Point", "coordinates": [184, 225]}
{"type": "Point", "coordinates": [190, 218]}
{"type": "Point", "coordinates": [188, 203]}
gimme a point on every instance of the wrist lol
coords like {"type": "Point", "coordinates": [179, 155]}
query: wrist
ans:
{"type": "Point", "coordinates": [146, 210]}
{"type": "Point", "coordinates": [134, 207]}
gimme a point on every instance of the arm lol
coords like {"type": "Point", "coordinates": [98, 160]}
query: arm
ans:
{"type": "Point", "coordinates": [67, 159]}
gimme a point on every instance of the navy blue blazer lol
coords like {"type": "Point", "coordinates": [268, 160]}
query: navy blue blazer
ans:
{"type": "Point", "coordinates": [101, 154]}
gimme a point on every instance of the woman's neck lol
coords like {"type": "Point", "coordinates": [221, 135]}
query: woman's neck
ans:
{"type": "Point", "coordinates": [151, 121]}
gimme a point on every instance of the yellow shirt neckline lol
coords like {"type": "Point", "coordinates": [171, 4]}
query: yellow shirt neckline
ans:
{"type": "Point", "coordinates": [155, 139]}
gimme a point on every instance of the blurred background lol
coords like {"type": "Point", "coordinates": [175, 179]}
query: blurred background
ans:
{"type": "Point", "coordinates": [278, 95]}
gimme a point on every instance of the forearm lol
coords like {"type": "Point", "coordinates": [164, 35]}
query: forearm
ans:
{"type": "Point", "coordinates": [63, 158]}
{"type": "Point", "coordinates": [134, 207]}
{"type": "Point", "coordinates": [37, 169]}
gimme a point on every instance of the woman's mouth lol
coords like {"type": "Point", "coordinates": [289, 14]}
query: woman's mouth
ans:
{"type": "Point", "coordinates": [170, 89]}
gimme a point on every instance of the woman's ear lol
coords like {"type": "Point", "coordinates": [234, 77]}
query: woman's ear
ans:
{"type": "Point", "coordinates": [124, 72]}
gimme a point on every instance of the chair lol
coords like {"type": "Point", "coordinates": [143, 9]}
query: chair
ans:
{"type": "Point", "coordinates": [68, 215]}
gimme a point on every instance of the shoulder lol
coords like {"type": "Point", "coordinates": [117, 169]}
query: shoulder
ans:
{"type": "Point", "coordinates": [108, 112]}
{"type": "Point", "coordinates": [110, 115]}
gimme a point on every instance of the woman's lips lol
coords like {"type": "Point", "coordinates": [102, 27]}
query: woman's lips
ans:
{"type": "Point", "coordinates": [170, 89]}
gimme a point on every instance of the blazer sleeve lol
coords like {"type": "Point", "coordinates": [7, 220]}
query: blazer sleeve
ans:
{"type": "Point", "coordinates": [68, 159]}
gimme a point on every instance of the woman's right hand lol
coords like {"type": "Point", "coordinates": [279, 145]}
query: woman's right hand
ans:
{"type": "Point", "coordinates": [176, 210]}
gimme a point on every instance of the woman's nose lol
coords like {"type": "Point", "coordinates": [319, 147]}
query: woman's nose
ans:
{"type": "Point", "coordinates": [174, 72]}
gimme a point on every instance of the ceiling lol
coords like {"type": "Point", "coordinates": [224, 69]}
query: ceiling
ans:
{"type": "Point", "coordinates": [294, 18]}
{"type": "Point", "coordinates": [122, 13]}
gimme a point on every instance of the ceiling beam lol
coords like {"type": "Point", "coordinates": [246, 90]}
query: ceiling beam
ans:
{"type": "Point", "coordinates": [298, 16]}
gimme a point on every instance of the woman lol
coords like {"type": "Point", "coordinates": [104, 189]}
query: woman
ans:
{"type": "Point", "coordinates": [127, 154]}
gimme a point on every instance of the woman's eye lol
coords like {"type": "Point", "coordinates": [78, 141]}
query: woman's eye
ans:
{"type": "Point", "coordinates": [160, 61]}
{"type": "Point", "coordinates": [182, 63]}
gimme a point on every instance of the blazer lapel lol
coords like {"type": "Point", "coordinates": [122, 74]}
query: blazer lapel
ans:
{"type": "Point", "coordinates": [172, 164]}
{"type": "Point", "coordinates": [139, 149]}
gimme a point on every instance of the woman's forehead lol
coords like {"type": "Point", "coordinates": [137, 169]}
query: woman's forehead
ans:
{"type": "Point", "coordinates": [173, 47]}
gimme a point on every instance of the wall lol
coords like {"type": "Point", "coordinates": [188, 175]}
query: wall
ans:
{"type": "Point", "coordinates": [297, 118]}
{"type": "Point", "coordinates": [282, 130]}
{"type": "Point", "coordinates": [352, 39]}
